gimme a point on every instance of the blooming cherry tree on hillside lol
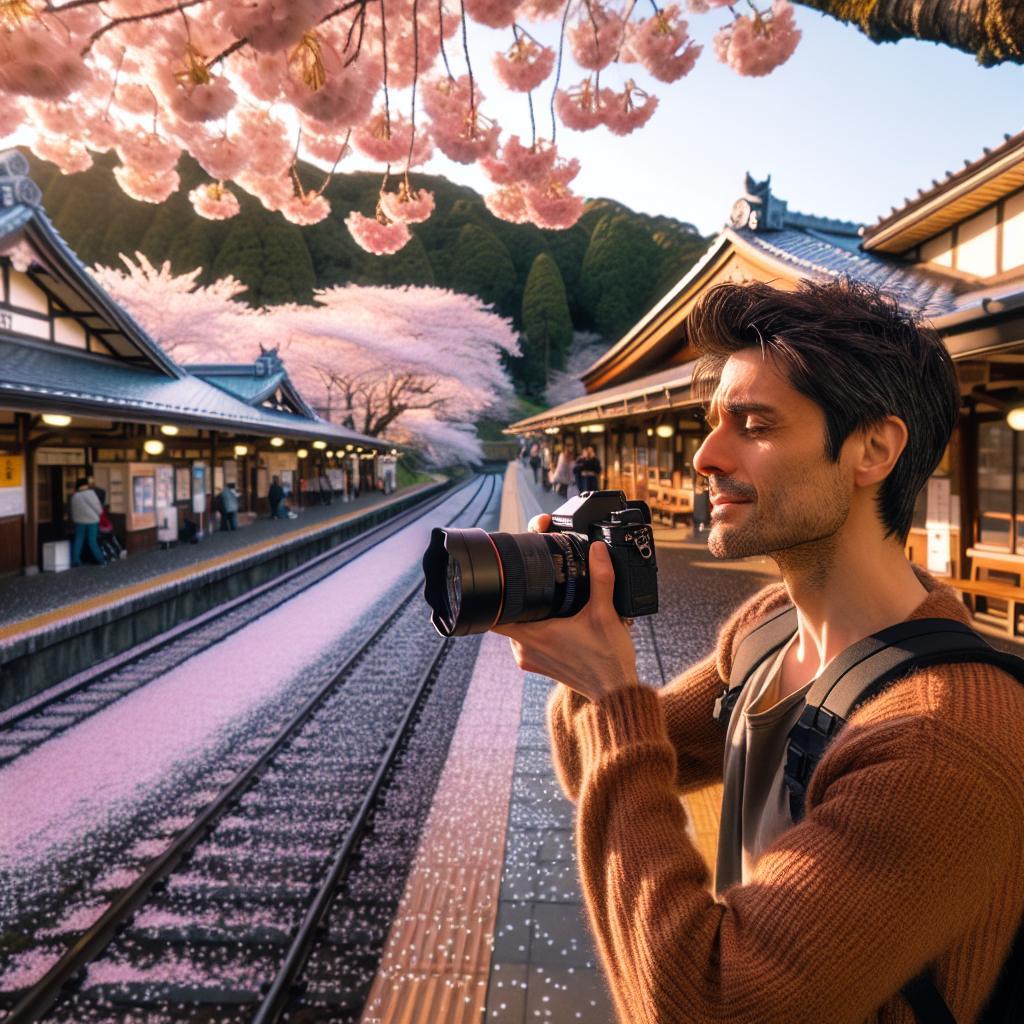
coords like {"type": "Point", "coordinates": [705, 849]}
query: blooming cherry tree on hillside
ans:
{"type": "Point", "coordinates": [251, 87]}
{"type": "Point", "coordinates": [415, 365]}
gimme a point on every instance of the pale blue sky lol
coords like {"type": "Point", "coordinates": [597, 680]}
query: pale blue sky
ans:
{"type": "Point", "coordinates": [846, 128]}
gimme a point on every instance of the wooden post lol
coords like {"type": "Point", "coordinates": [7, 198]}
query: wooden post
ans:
{"type": "Point", "coordinates": [212, 503]}
{"type": "Point", "coordinates": [28, 534]}
{"type": "Point", "coordinates": [968, 429]}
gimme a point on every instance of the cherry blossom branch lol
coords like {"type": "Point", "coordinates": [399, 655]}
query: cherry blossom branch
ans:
{"type": "Point", "coordinates": [558, 68]}
{"type": "Point", "coordinates": [469, 65]}
{"type": "Point", "coordinates": [126, 19]}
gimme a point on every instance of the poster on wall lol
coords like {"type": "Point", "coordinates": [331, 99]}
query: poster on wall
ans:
{"type": "Point", "coordinates": [164, 486]}
{"type": "Point", "coordinates": [12, 490]}
{"type": "Point", "coordinates": [939, 523]}
{"type": "Point", "coordinates": [182, 488]}
{"type": "Point", "coordinates": [198, 487]}
{"type": "Point", "coordinates": [143, 495]}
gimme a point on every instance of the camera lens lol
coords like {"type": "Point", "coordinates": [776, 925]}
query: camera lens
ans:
{"type": "Point", "coordinates": [475, 580]}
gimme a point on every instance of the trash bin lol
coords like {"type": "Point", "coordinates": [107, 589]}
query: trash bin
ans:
{"type": "Point", "coordinates": [57, 556]}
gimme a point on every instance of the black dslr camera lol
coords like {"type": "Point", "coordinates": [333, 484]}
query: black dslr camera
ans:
{"type": "Point", "coordinates": [476, 580]}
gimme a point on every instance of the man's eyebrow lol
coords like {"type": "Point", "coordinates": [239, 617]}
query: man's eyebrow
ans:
{"type": "Point", "coordinates": [737, 408]}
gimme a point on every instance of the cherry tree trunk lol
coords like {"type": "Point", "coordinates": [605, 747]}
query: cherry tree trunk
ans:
{"type": "Point", "coordinates": [993, 30]}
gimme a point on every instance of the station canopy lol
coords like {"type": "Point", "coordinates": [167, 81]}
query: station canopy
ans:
{"type": "Point", "coordinates": [67, 346]}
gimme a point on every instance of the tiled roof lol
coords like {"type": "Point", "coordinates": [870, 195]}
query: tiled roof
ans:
{"type": "Point", "coordinates": [922, 290]}
{"type": "Point", "coordinates": [251, 389]}
{"type": "Point", "coordinates": [57, 373]}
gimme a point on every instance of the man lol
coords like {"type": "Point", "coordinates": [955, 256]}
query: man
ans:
{"type": "Point", "coordinates": [829, 409]}
{"type": "Point", "coordinates": [86, 510]}
{"type": "Point", "coordinates": [275, 495]}
{"type": "Point", "coordinates": [228, 502]}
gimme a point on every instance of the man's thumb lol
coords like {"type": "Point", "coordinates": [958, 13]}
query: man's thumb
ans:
{"type": "Point", "coordinates": [602, 574]}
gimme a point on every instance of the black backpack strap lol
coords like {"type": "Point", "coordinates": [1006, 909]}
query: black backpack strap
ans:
{"type": "Point", "coordinates": [749, 651]}
{"type": "Point", "coordinates": [863, 671]}
{"type": "Point", "coordinates": [859, 673]}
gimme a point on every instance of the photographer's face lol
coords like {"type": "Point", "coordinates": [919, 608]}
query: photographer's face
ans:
{"type": "Point", "coordinates": [772, 486]}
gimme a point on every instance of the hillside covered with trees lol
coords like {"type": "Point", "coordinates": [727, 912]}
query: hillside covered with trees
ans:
{"type": "Point", "coordinates": [599, 276]}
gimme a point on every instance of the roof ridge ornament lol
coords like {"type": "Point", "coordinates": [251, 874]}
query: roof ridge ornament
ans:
{"type": "Point", "coordinates": [758, 209]}
{"type": "Point", "coordinates": [16, 187]}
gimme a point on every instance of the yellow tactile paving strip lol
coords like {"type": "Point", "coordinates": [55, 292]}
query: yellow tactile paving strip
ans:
{"type": "Point", "coordinates": [437, 957]}
{"type": "Point", "coordinates": [15, 630]}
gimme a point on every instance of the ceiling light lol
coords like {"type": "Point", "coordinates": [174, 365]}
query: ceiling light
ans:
{"type": "Point", "coordinates": [154, 446]}
{"type": "Point", "coordinates": [302, 453]}
{"type": "Point", "coordinates": [169, 430]}
{"type": "Point", "coordinates": [241, 449]}
{"type": "Point", "coordinates": [56, 419]}
{"type": "Point", "coordinates": [277, 442]}
{"type": "Point", "coordinates": [665, 430]}
{"type": "Point", "coordinates": [319, 445]}
{"type": "Point", "coordinates": [1015, 418]}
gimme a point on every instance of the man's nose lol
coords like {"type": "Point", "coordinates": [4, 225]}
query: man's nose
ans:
{"type": "Point", "coordinates": [713, 457]}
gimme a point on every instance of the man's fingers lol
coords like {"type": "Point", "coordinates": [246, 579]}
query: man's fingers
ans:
{"type": "Point", "coordinates": [540, 524]}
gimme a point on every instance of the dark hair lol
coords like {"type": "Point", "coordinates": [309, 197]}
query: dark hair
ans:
{"type": "Point", "coordinates": [81, 482]}
{"type": "Point", "coordinates": [856, 353]}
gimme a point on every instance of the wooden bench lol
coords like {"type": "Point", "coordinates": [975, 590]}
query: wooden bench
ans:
{"type": "Point", "coordinates": [670, 503]}
{"type": "Point", "coordinates": [1010, 595]}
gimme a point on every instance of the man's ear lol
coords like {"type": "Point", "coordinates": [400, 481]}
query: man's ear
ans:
{"type": "Point", "coordinates": [879, 447]}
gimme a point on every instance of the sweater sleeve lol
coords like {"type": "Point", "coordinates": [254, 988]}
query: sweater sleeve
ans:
{"type": "Point", "coordinates": [905, 842]}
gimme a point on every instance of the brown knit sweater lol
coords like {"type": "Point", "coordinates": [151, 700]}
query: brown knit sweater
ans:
{"type": "Point", "coordinates": [910, 852]}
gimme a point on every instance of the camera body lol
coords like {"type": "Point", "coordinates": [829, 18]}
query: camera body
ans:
{"type": "Point", "coordinates": [625, 526]}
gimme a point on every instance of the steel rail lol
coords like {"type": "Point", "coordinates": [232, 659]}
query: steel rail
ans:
{"type": "Point", "coordinates": [281, 990]}
{"type": "Point", "coordinates": [351, 549]}
{"type": "Point", "coordinates": [71, 966]}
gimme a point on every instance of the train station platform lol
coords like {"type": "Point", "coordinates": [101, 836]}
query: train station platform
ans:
{"type": "Point", "coordinates": [53, 625]}
{"type": "Point", "coordinates": [491, 926]}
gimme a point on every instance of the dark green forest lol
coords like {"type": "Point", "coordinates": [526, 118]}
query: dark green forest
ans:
{"type": "Point", "coordinates": [600, 275]}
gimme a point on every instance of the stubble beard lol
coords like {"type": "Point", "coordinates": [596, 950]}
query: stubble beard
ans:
{"type": "Point", "coordinates": [801, 540]}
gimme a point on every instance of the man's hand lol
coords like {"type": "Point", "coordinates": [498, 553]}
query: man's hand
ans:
{"type": "Point", "coordinates": [592, 652]}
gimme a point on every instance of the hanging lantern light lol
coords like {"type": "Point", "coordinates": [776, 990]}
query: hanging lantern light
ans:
{"type": "Point", "coordinates": [154, 446]}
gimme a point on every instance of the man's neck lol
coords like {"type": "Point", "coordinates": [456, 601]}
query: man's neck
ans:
{"type": "Point", "coordinates": [844, 590]}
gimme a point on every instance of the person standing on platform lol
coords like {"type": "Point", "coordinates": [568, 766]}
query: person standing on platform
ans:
{"type": "Point", "coordinates": [563, 475]}
{"type": "Point", "coordinates": [545, 466]}
{"type": "Point", "coordinates": [588, 469]}
{"type": "Point", "coordinates": [885, 881]}
{"type": "Point", "coordinates": [228, 502]}
{"type": "Point", "coordinates": [535, 462]}
{"type": "Point", "coordinates": [275, 495]}
{"type": "Point", "coordinates": [86, 511]}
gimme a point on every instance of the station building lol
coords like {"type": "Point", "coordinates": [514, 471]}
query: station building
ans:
{"type": "Point", "coordinates": [954, 253]}
{"type": "Point", "coordinates": [85, 391]}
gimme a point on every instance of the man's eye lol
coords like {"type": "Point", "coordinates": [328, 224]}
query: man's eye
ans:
{"type": "Point", "coordinates": [753, 429]}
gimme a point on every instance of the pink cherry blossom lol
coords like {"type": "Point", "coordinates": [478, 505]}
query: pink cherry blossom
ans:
{"type": "Point", "coordinates": [408, 205]}
{"type": "Point", "coordinates": [628, 110]}
{"type": "Point", "coordinates": [552, 206]}
{"type": "Point", "coordinates": [662, 44]}
{"type": "Point", "coordinates": [214, 202]}
{"type": "Point", "coordinates": [525, 65]}
{"type": "Point", "coordinates": [272, 190]}
{"type": "Point", "coordinates": [219, 156]}
{"type": "Point", "coordinates": [40, 58]}
{"type": "Point", "coordinates": [147, 187]}
{"type": "Point", "coordinates": [448, 97]}
{"type": "Point", "coordinates": [596, 37]}
{"type": "Point", "coordinates": [508, 204]}
{"type": "Point", "coordinates": [468, 138]}
{"type": "Point", "coordinates": [703, 6]}
{"type": "Point", "coordinates": [11, 114]}
{"type": "Point", "coordinates": [147, 151]}
{"type": "Point", "coordinates": [269, 151]}
{"type": "Point", "coordinates": [384, 140]}
{"type": "Point", "coordinates": [272, 25]}
{"type": "Point", "coordinates": [493, 13]}
{"type": "Point", "coordinates": [756, 46]}
{"type": "Point", "coordinates": [325, 147]}
{"type": "Point", "coordinates": [57, 118]}
{"type": "Point", "coordinates": [528, 164]}
{"type": "Point", "coordinates": [307, 208]}
{"type": "Point", "coordinates": [580, 107]}
{"type": "Point", "coordinates": [375, 237]}
{"type": "Point", "coordinates": [541, 10]}
{"type": "Point", "coordinates": [69, 155]}
{"type": "Point", "coordinates": [210, 102]}
{"type": "Point", "coordinates": [101, 132]}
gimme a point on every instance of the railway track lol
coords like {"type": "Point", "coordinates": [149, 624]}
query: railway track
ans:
{"type": "Point", "coordinates": [280, 891]}
{"type": "Point", "coordinates": [33, 722]}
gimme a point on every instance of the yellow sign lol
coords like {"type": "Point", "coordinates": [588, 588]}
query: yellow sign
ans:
{"type": "Point", "coordinates": [10, 470]}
